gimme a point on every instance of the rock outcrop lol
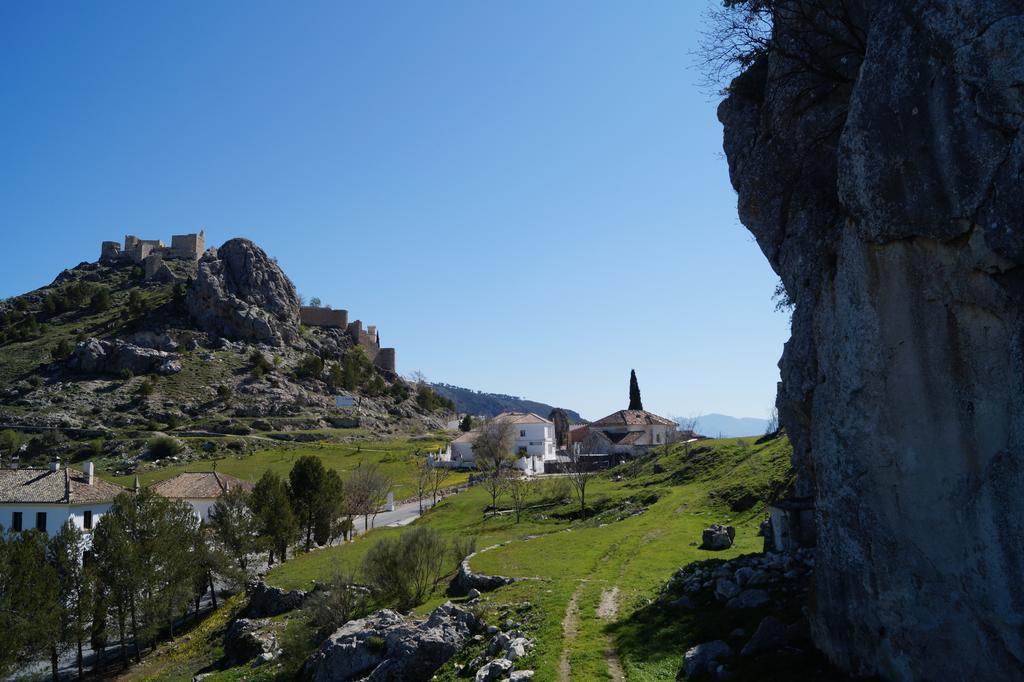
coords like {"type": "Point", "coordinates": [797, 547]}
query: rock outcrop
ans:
{"type": "Point", "coordinates": [240, 293]}
{"type": "Point", "coordinates": [94, 356]}
{"type": "Point", "coordinates": [878, 156]}
{"type": "Point", "coordinates": [385, 646]}
{"type": "Point", "coordinates": [266, 600]}
{"type": "Point", "coordinates": [465, 580]}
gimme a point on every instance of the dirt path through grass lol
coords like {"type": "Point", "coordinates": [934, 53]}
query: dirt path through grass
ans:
{"type": "Point", "coordinates": [570, 626]}
{"type": "Point", "coordinates": [607, 610]}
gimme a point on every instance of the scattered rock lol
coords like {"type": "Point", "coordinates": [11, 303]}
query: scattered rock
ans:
{"type": "Point", "coordinates": [717, 537]}
{"type": "Point", "coordinates": [726, 589]}
{"type": "Point", "coordinates": [94, 356]}
{"type": "Point", "coordinates": [748, 599]}
{"type": "Point", "coordinates": [266, 601]}
{"type": "Point", "coordinates": [520, 676]}
{"type": "Point", "coordinates": [496, 670]}
{"type": "Point", "coordinates": [385, 646]}
{"type": "Point", "coordinates": [247, 639]}
{"type": "Point", "coordinates": [703, 658]}
{"type": "Point", "coordinates": [774, 634]}
{"type": "Point", "coordinates": [473, 594]}
{"type": "Point", "coordinates": [465, 580]}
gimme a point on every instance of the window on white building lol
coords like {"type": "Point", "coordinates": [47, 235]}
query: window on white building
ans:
{"type": "Point", "coordinates": [522, 433]}
{"type": "Point", "coordinates": [87, 519]}
{"type": "Point", "coordinates": [41, 521]}
{"type": "Point", "coordinates": [16, 522]}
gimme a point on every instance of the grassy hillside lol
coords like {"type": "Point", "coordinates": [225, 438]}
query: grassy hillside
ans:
{"type": "Point", "coordinates": [396, 458]}
{"type": "Point", "coordinates": [646, 523]}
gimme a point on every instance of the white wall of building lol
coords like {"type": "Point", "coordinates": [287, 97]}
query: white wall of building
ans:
{"type": "Point", "coordinates": [56, 515]}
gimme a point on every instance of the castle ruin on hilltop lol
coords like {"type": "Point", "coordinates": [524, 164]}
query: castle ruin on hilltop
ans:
{"type": "Point", "coordinates": [151, 253]}
{"type": "Point", "coordinates": [368, 339]}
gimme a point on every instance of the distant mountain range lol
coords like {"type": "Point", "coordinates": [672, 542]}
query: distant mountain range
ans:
{"type": "Point", "coordinates": [715, 425]}
{"type": "Point", "coordinates": [490, 404]}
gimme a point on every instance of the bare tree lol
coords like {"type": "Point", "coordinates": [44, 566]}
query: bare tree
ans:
{"type": "Point", "coordinates": [519, 487]}
{"type": "Point", "coordinates": [773, 421]}
{"type": "Point", "coordinates": [492, 451]}
{"type": "Point", "coordinates": [579, 476]}
{"type": "Point", "coordinates": [424, 476]}
{"type": "Point", "coordinates": [688, 431]}
{"type": "Point", "coordinates": [366, 491]}
{"type": "Point", "coordinates": [438, 476]}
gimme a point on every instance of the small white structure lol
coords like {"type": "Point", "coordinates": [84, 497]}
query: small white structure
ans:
{"type": "Point", "coordinates": [342, 401]}
{"type": "Point", "coordinates": [534, 442]}
{"type": "Point", "coordinates": [47, 499]}
{"type": "Point", "coordinates": [201, 489]}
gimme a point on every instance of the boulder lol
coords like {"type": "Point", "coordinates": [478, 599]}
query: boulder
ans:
{"type": "Point", "coordinates": [773, 634]}
{"type": "Point", "coordinates": [520, 676]}
{"type": "Point", "coordinates": [466, 580]}
{"type": "Point", "coordinates": [94, 356]}
{"type": "Point", "coordinates": [248, 639]}
{"type": "Point", "coordinates": [496, 670]}
{"type": "Point", "coordinates": [266, 600]}
{"type": "Point", "coordinates": [717, 537]}
{"type": "Point", "coordinates": [748, 599]}
{"type": "Point", "coordinates": [385, 646]}
{"type": "Point", "coordinates": [726, 589]}
{"type": "Point", "coordinates": [703, 658]}
{"type": "Point", "coordinates": [241, 294]}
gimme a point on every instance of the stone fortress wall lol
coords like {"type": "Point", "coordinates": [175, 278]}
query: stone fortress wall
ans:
{"type": "Point", "coordinates": [184, 246]}
{"type": "Point", "coordinates": [368, 339]}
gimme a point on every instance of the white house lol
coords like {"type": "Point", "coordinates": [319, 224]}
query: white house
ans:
{"type": "Point", "coordinates": [627, 432]}
{"type": "Point", "coordinates": [534, 442]}
{"type": "Point", "coordinates": [46, 499]}
{"type": "Point", "coordinates": [201, 489]}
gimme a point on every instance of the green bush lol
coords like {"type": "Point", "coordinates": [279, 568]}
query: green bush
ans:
{"type": "Point", "coordinates": [147, 387]}
{"type": "Point", "coordinates": [402, 571]}
{"type": "Point", "coordinates": [162, 447]}
{"type": "Point", "coordinates": [62, 351]}
{"type": "Point", "coordinates": [310, 366]}
{"type": "Point", "coordinates": [10, 441]}
{"type": "Point", "coordinates": [259, 363]}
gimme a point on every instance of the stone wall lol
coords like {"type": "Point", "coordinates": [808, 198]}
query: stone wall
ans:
{"type": "Point", "coordinates": [185, 246]}
{"type": "Point", "coordinates": [385, 360]}
{"type": "Point", "coordinates": [313, 316]}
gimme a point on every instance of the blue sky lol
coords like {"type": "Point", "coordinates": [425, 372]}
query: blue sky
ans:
{"type": "Point", "coordinates": [525, 197]}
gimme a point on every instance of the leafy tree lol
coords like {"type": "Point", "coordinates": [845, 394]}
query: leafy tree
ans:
{"type": "Point", "coordinates": [234, 526]}
{"type": "Point", "coordinates": [402, 571]}
{"type": "Point", "coordinates": [75, 595]}
{"type": "Point", "coordinates": [466, 424]}
{"type": "Point", "coordinates": [10, 441]}
{"type": "Point", "coordinates": [315, 302]}
{"type": "Point", "coordinates": [329, 522]}
{"type": "Point", "coordinates": [634, 392]}
{"type": "Point", "coordinates": [305, 482]}
{"type": "Point", "coordinates": [342, 600]}
{"type": "Point", "coordinates": [275, 521]}
{"type": "Point", "coordinates": [100, 300]}
{"type": "Point", "coordinates": [162, 447]}
{"type": "Point", "coordinates": [355, 368]}
{"type": "Point", "coordinates": [29, 594]}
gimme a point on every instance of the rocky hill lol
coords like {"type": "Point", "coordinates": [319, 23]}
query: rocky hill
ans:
{"type": "Point", "coordinates": [876, 149]}
{"type": "Point", "coordinates": [209, 346]}
{"type": "Point", "coordinates": [473, 402]}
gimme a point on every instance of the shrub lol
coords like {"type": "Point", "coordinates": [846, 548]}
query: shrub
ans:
{"type": "Point", "coordinates": [402, 571]}
{"type": "Point", "coordinates": [310, 366]}
{"type": "Point", "coordinates": [399, 390]}
{"type": "Point", "coordinates": [10, 441]}
{"type": "Point", "coordinates": [339, 602]}
{"type": "Point", "coordinates": [146, 387]}
{"type": "Point", "coordinates": [557, 489]}
{"type": "Point", "coordinates": [100, 300]}
{"type": "Point", "coordinates": [62, 351]}
{"type": "Point", "coordinates": [462, 547]}
{"type": "Point", "coordinates": [162, 447]}
{"type": "Point", "coordinates": [432, 401]}
{"type": "Point", "coordinates": [260, 364]}
{"type": "Point", "coordinates": [224, 392]}
{"type": "Point", "coordinates": [94, 448]}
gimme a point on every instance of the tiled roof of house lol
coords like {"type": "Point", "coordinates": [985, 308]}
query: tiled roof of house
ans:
{"type": "Point", "coordinates": [467, 437]}
{"type": "Point", "coordinates": [199, 485]}
{"type": "Point", "coordinates": [633, 418]}
{"type": "Point", "coordinates": [523, 418]}
{"type": "Point", "coordinates": [63, 486]}
{"type": "Point", "coordinates": [626, 438]}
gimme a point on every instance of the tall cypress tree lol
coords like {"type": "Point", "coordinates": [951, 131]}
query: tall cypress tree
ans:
{"type": "Point", "coordinates": [634, 392]}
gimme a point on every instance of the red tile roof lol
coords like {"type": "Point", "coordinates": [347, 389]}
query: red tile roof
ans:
{"type": "Point", "coordinates": [199, 485]}
{"type": "Point", "coordinates": [633, 418]}
{"type": "Point", "coordinates": [63, 486]}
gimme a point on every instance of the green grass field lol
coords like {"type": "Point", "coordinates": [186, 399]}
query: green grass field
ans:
{"type": "Point", "coordinates": [396, 458]}
{"type": "Point", "coordinates": [562, 560]}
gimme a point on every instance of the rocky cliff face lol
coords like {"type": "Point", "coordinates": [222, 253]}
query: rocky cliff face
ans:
{"type": "Point", "coordinates": [241, 294]}
{"type": "Point", "coordinates": [877, 151]}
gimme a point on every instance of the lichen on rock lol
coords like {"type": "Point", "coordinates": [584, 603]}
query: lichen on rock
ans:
{"type": "Point", "coordinates": [879, 167]}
